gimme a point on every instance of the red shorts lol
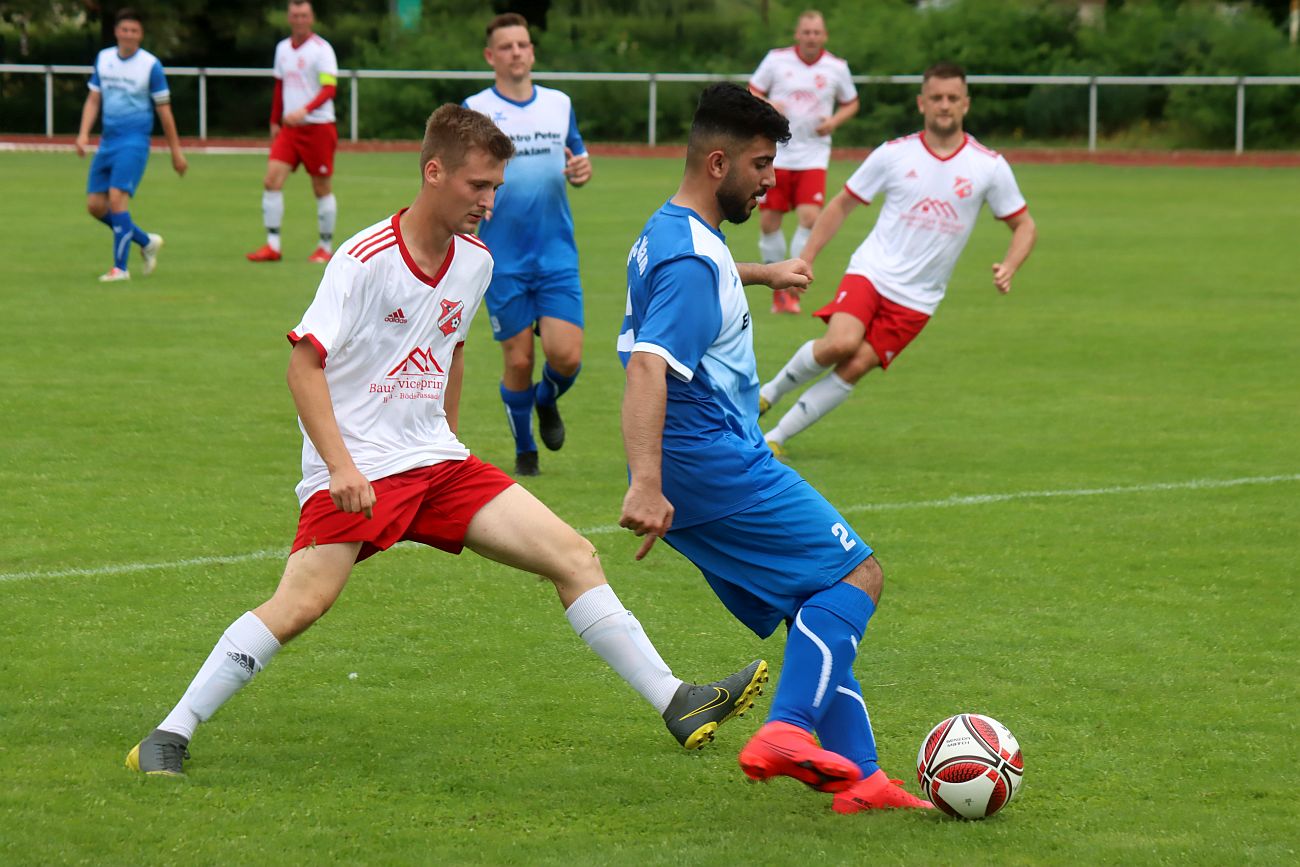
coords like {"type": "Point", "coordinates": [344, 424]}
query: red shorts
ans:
{"type": "Point", "coordinates": [430, 505]}
{"type": "Point", "coordinates": [311, 144]}
{"type": "Point", "coordinates": [890, 326]}
{"type": "Point", "coordinates": [795, 187]}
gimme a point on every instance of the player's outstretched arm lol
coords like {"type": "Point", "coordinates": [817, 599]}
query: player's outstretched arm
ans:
{"type": "Point", "coordinates": [349, 490]}
{"type": "Point", "coordinates": [168, 121]}
{"type": "Point", "coordinates": [89, 112]}
{"type": "Point", "coordinates": [828, 223]}
{"type": "Point", "coordinates": [793, 275]}
{"type": "Point", "coordinates": [1024, 232]}
{"type": "Point", "coordinates": [646, 511]}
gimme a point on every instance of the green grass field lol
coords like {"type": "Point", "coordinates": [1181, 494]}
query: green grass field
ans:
{"type": "Point", "coordinates": [1085, 495]}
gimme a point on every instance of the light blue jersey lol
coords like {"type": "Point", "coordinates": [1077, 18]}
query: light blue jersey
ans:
{"type": "Point", "coordinates": [129, 89]}
{"type": "Point", "coordinates": [686, 304]}
{"type": "Point", "coordinates": [531, 230]}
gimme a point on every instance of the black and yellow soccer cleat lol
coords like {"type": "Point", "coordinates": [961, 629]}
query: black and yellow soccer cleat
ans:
{"type": "Point", "coordinates": [162, 754]}
{"type": "Point", "coordinates": [695, 712]}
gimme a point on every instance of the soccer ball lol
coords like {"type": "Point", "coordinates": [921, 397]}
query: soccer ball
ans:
{"type": "Point", "coordinates": [970, 766]}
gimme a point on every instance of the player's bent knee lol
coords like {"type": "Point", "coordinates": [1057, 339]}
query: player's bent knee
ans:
{"type": "Point", "coordinates": [868, 577]}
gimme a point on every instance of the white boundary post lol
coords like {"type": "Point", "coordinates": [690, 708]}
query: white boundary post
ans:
{"type": "Point", "coordinates": [1092, 114]}
{"type": "Point", "coordinates": [49, 102]}
{"type": "Point", "coordinates": [652, 120]}
{"type": "Point", "coordinates": [203, 104]}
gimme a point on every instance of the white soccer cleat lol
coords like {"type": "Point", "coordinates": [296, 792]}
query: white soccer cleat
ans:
{"type": "Point", "coordinates": [149, 254]}
{"type": "Point", "coordinates": [113, 275]}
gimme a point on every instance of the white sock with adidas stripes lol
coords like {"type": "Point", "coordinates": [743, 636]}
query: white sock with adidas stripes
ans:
{"type": "Point", "coordinates": [243, 650]}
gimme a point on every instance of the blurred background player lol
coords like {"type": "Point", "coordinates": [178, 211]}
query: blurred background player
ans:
{"type": "Point", "coordinates": [814, 90]}
{"type": "Point", "coordinates": [771, 547]}
{"type": "Point", "coordinates": [934, 183]}
{"type": "Point", "coordinates": [535, 286]}
{"type": "Point", "coordinates": [129, 84]}
{"type": "Point", "coordinates": [302, 131]}
{"type": "Point", "coordinates": [378, 403]}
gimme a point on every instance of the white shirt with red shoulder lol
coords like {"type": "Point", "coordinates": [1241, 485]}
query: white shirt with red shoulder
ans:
{"type": "Point", "coordinates": [303, 71]}
{"type": "Point", "coordinates": [385, 332]}
{"type": "Point", "coordinates": [931, 203]}
{"type": "Point", "coordinates": [806, 93]}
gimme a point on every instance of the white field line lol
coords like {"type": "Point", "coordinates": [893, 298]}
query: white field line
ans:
{"type": "Point", "coordinates": [946, 502]}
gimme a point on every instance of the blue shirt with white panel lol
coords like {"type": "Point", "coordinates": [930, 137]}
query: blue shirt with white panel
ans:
{"type": "Point", "coordinates": [686, 304]}
{"type": "Point", "coordinates": [531, 230]}
{"type": "Point", "coordinates": [129, 87]}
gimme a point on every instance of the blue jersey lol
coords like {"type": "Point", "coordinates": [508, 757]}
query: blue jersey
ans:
{"type": "Point", "coordinates": [531, 230]}
{"type": "Point", "coordinates": [686, 304]}
{"type": "Point", "coordinates": [129, 88]}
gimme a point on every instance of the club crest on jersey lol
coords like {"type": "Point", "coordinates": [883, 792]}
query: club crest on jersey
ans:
{"type": "Point", "coordinates": [449, 318]}
{"type": "Point", "coordinates": [963, 187]}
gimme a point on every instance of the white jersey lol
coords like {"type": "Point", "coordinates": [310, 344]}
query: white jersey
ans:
{"type": "Point", "coordinates": [931, 203]}
{"type": "Point", "coordinates": [304, 70]}
{"type": "Point", "coordinates": [807, 94]}
{"type": "Point", "coordinates": [385, 332]}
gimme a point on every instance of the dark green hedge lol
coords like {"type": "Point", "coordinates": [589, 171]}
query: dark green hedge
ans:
{"type": "Point", "coordinates": [729, 36]}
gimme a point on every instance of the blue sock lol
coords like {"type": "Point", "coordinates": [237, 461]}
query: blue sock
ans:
{"type": "Point", "coordinates": [519, 412]}
{"type": "Point", "coordinates": [819, 654]}
{"type": "Point", "coordinates": [140, 236]}
{"type": "Point", "coordinates": [121, 224]}
{"type": "Point", "coordinates": [845, 728]}
{"type": "Point", "coordinates": [554, 384]}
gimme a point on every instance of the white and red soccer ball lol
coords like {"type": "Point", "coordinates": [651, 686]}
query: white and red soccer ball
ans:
{"type": "Point", "coordinates": [970, 766]}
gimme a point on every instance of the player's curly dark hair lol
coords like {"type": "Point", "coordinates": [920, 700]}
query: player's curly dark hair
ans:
{"type": "Point", "coordinates": [728, 115]}
{"type": "Point", "coordinates": [453, 130]}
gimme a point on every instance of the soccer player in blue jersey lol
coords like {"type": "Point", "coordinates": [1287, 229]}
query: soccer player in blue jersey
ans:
{"type": "Point", "coordinates": [771, 547]}
{"type": "Point", "coordinates": [128, 82]}
{"type": "Point", "coordinates": [535, 287]}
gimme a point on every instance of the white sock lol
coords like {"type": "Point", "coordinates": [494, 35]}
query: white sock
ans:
{"type": "Point", "coordinates": [611, 630]}
{"type": "Point", "coordinates": [801, 368]}
{"type": "Point", "coordinates": [771, 247]}
{"type": "Point", "coordinates": [797, 241]}
{"type": "Point", "coordinates": [243, 650]}
{"type": "Point", "coordinates": [272, 216]}
{"type": "Point", "coordinates": [327, 210]}
{"type": "Point", "coordinates": [822, 397]}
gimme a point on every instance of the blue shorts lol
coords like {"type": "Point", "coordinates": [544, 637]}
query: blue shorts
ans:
{"type": "Point", "coordinates": [517, 301]}
{"type": "Point", "coordinates": [118, 164]}
{"type": "Point", "coordinates": [765, 561]}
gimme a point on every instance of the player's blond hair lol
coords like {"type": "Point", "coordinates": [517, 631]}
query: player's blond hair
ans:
{"type": "Point", "coordinates": [453, 131]}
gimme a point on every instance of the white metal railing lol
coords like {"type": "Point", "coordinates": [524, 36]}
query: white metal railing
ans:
{"type": "Point", "coordinates": [653, 79]}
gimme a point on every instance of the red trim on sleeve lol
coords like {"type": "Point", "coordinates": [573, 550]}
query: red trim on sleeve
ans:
{"type": "Point", "coordinates": [277, 101]}
{"type": "Point", "coordinates": [1013, 214]}
{"type": "Point", "coordinates": [324, 95]}
{"type": "Point", "coordinates": [756, 91]}
{"type": "Point", "coordinates": [856, 196]}
{"type": "Point", "coordinates": [295, 338]}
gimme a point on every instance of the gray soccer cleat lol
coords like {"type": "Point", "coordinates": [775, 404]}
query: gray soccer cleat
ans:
{"type": "Point", "coordinates": [161, 754]}
{"type": "Point", "coordinates": [695, 712]}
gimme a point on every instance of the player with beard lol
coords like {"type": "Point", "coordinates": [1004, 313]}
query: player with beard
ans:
{"type": "Point", "coordinates": [934, 183]}
{"type": "Point", "coordinates": [771, 547]}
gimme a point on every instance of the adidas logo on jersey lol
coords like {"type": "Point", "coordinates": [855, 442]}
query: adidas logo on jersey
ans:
{"type": "Point", "coordinates": [396, 316]}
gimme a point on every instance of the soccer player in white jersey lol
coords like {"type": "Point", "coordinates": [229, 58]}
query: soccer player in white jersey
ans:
{"type": "Point", "coordinates": [772, 548]}
{"type": "Point", "coordinates": [535, 287]}
{"type": "Point", "coordinates": [934, 183]}
{"type": "Point", "coordinates": [302, 131]}
{"type": "Point", "coordinates": [375, 373]}
{"type": "Point", "coordinates": [129, 83]}
{"type": "Point", "coordinates": [814, 90]}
